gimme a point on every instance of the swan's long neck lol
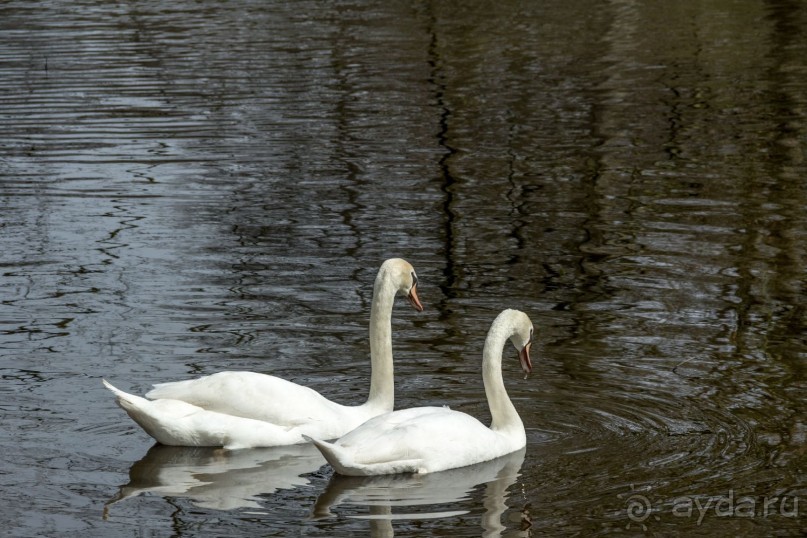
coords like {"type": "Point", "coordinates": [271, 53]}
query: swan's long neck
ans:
{"type": "Point", "coordinates": [504, 416]}
{"type": "Point", "coordinates": [382, 392]}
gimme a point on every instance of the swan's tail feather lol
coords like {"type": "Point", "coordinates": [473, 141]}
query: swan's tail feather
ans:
{"type": "Point", "coordinates": [334, 454]}
{"type": "Point", "coordinates": [111, 387]}
{"type": "Point", "coordinates": [343, 463]}
{"type": "Point", "coordinates": [129, 402]}
{"type": "Point", "coordinates": [140, 410]}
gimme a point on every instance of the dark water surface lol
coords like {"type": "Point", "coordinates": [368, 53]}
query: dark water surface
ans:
{"type": "Point", "coordinates": [187, 187]}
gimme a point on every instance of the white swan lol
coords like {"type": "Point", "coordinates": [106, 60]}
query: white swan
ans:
{"type": "Point", "coordinates": [430, 439]}
{"type": "Point", "coordinates": [247, 409]}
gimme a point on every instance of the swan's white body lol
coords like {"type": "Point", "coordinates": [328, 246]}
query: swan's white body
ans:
{"type": "Point", "coordinates": [247, 409]}
{"type": "Point", "coordinates": [430, 439]}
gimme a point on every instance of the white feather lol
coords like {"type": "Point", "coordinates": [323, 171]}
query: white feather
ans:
{"type": "Point", "coordinates": [430, 439]}
{"type": "Point", "coordinates": [247, 409]}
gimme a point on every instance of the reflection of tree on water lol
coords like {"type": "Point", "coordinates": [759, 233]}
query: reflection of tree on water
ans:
{"type": "Point", "coordinates": [219, 479]}
{"type": "Point", "coordinates": [444, 493]}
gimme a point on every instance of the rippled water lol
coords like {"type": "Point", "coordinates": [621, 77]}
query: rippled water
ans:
{"type": "Point", "coordinates": [188, 187]}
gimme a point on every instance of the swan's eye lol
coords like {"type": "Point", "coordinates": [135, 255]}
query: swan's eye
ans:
{"type": "Point", "coordinates": [414, 280]}
{"type": "Point", "coordinates": [530, 334]}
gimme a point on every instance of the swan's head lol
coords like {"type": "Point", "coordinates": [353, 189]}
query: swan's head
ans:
{"type": "Point", "coordinates": [401, 275]}
{"type": "Point", "coordinates": [521, 336]}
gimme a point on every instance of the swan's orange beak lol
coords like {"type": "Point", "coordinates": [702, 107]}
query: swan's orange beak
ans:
{"type": "Point", "coordinates": [524, 357]}
{"type": "Point", "coordinates": [413, 298]}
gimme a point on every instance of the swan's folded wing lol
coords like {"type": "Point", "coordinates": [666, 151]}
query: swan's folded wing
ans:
{"type": "Point", "coordinates": [250, 395]}
{"type": "Point", "coordinates": [412, 435]}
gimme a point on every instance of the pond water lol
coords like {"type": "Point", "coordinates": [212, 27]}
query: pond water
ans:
{"type": "Point", "coordinates": [189, 187]}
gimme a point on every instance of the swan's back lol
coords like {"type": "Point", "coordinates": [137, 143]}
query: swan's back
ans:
{"type": "Point", "coordinates": [252, 395]}
{"type": "Point", "coordinates": [399, 427]}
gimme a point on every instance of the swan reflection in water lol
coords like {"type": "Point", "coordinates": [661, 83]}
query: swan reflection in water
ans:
{"type": "Point", "coordinates": [227, 480]}
{"type": "Point", "coordinates": [388, 496]}
{"type": "Point", "coordinates": [219, 479]}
